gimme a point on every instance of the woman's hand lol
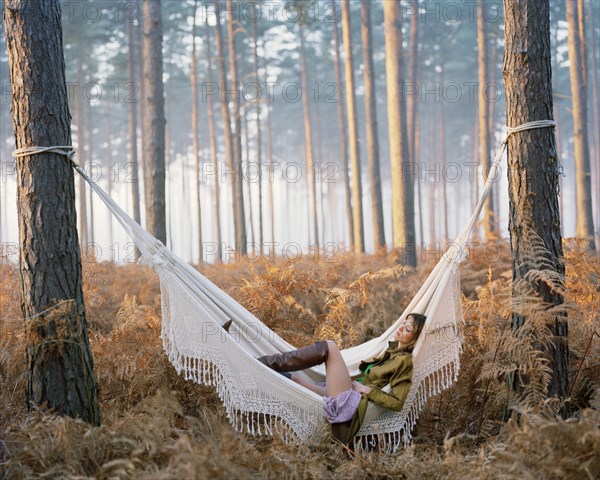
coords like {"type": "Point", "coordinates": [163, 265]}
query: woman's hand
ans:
{"type": "Point", "coordinates": [359, 387]}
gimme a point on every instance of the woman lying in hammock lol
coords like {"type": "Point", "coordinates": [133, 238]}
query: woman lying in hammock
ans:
{"type": "Point", "coordinates": [345, 401]}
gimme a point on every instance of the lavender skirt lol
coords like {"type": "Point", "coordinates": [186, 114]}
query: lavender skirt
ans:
{"type": "Point", "coordinates": [341, 408]}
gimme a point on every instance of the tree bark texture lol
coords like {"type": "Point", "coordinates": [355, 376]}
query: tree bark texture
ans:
{"type": "Point", "coordinates": [213, 152]}
{"type": "Point", "coordinates": [357, 215]}
{"type": "Point", "coordinates": [403, 206]}
{"type": "Point", "coordinates": [60, 364]}
{"type": "Point", "coordinates": [532, 161]}
{"type": "Point", "coordinates": [343, 133]}
{"type": "Point", "coordinates": [154, 121]}
{"type": "Point", "coordinates": [308, 141]}
{"type": "Point", "coordinates": [240, 219]}
{"type": "Point", "coordinates": [371, 126]}
{"type": "Point", "coordinates": [583, 172]}
{"type": "Point", "coordinates": [484, 114]}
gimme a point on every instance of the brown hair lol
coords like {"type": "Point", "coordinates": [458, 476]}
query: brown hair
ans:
{"type": "Point", "coordinates": [418, 324]}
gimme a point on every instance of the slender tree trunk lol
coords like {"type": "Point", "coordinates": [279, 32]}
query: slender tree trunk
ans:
{"type": "Point", "coordinates": [585, 219]}
{"type": "Point", "coordinates": [357, 215]}
{"type": "Point", "coordinates": [484, 113]}
{"type": "Point", "coordinates": [60, 364]}
{"type": "Point", "coordinates": [595, 141]}
{"type": "Point", "coordinates": [318, 162]}
{"type": "Point", "coordinates": [81, 157]}
{"type": "Point", "coordinates": [582, 42]}
{"type": "Point", "coordinates": [250, 209]}
{"type": "Point", "coordinates": [403, 206]}
{"type": "Point", "coordinates": [532, 161]}
{"type": "Point", "coordinates": [412, 76]}
{"type": "Point", "coordinates": [431, 185]}
{"type": "Point", "coordinates": [225, 113]}
{"type": "Point", "coordinates": [371, 126]}
{"type": "Point", "coordinates": [169, 165]}
{"type": "Point", "coordinates": [308, 141]}
{"type": "Point", "coordinates": [475, 193]}
{"type": "Point", "coordinates": [558, 138]}
{"type": "Point", "coordinates": [109, 179]}
{"type": "Point", "coordinates": [240, 220]}
{"type": "Point", "coordinates": [90, 128]}
{"type": "Point", "coordinates": [271, 179]}
{"type": "Point", "coordinates": [492, 64]}
{"type": "Point", "coordinates": [213, 153]}
{"type": "Point", "coordinates": [133, 125]}
{"type": "Point", "coordinates": [417, 160]}
{"type": "Point", "coordinates": [343, 133]}
{"type": "Point", "coordinates": [195, 133]}
{"type": "Point", "coordinates": [142, 106]}
{"type": "Point", "coordinates": [412, 105]}
{"type": "Point", "coordinates": [261, 239]}
{"type": "Point", "coordinates": [442, 157]}
{"type": "Point", "coordinates": [154, 121]}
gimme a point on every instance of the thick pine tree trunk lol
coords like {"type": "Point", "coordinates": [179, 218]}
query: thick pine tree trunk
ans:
{"type": "Point", "coordinates": [371, 126]}
{"type": "Point", "coordinates": [240, 219]}
{"type": "Point", "coordinates": [308, 141]}
{"type": "Point", "coordinates": [60, 365]}
{"type": "Point", "coordinates": [484, 113]}
{"type": "Point", "coordinates": [195, 133]}
{"type": "Point", "coordinates": [585, 218]}
{"type": "Point", "coordinates": [532, 162]}
{"type": "Point", "coordinates": [154, 121]}
{"type": "Point", "coordinates": [357, 215]}
{"type": "Point", "coordinates": [343, 132]}
{"type": "Point", "coordinates": [403, 206]}
{"type": "Point", "coordinates": [213, 152]}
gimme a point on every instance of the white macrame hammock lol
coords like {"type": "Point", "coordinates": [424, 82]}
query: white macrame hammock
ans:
{"type": "Point", "coordinates": [259, 400]}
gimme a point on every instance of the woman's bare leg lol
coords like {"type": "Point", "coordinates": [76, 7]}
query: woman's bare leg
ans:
{"type": "Point", "coordinates": [308, 383]}
{"type": "Point", "coordinates": [337, 376]}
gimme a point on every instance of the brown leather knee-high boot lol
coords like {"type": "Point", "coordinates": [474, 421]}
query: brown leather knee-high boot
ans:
{"type": "Point", "coordinates": [300, 359]}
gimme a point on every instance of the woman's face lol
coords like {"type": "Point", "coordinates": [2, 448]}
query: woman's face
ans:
{"type": "Point", "coordinates": [406, 331]}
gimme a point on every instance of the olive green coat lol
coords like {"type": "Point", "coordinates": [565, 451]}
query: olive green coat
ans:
{"type": "Point", "coordinates": [394, 367]}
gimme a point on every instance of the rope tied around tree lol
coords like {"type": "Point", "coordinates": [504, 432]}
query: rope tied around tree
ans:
{"type": "Point", "coordinates": [64, 150]}
{"type": "Point", "coordinates": [527, 126]}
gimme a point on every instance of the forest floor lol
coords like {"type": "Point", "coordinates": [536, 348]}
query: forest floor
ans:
{"type": "Point", "coordinates": [156, 425]}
